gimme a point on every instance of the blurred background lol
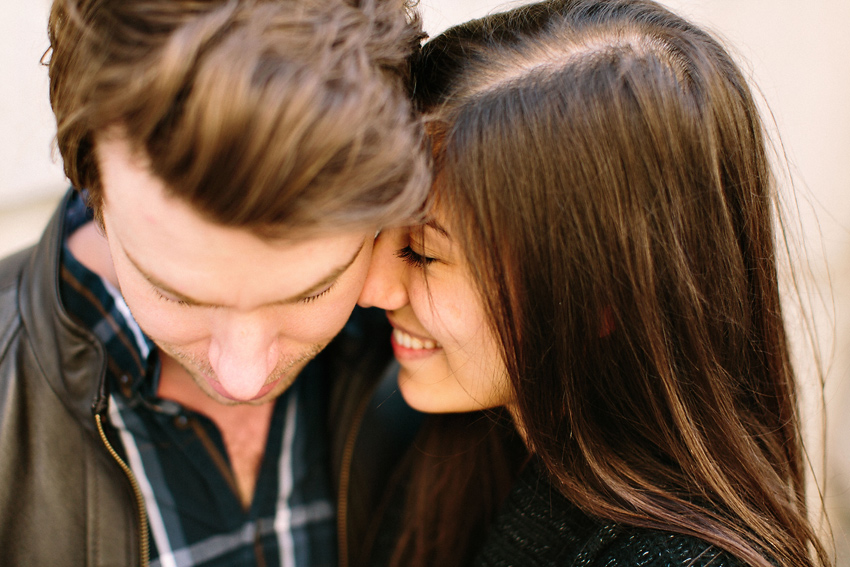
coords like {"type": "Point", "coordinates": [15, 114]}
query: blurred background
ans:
{"type": "Point", "coordinates": [797, 54]}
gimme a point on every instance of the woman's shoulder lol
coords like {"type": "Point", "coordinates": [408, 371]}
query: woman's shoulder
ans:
{"type": "Point", "coordinates": [615, 544]}
{"type": "Point", "coordinates": [539, 527]}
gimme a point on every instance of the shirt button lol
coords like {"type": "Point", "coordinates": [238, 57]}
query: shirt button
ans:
{"type": "Point", "coordinates": [181, 422]}
{"type": "Point", "coordinates": [126, 386]}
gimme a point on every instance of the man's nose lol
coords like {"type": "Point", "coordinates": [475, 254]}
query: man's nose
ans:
{"type": "Point", "coordinates": [243, 353]}
{"type": "Point", "coordinates": [386, 282]}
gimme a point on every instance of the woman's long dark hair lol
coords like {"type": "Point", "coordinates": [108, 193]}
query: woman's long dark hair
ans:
{"type": "Point", "coordinates": [606, 165]}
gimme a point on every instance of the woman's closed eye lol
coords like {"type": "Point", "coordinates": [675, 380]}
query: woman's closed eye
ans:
{"type": "Point", "coordinates": [413, 258]}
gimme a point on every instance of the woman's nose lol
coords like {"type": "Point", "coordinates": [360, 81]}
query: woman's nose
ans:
{"type": "Point", "coordinates": [386, 282]}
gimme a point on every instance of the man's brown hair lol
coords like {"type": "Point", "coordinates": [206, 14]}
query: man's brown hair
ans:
{"type": "Point", "coordinates": [269, 115]}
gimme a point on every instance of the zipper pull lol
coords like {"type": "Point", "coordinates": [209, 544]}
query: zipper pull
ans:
{"type": "Point", "coordinates": [101, 401]}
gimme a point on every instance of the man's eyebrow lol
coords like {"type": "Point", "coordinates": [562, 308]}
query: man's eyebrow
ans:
{"type": "Point", "coordinates": [312, 290]}
{"type": "Point", "coordinates": [327, 280]}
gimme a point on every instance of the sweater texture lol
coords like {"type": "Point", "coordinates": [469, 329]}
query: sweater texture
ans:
{"type": "Point", "coordinates": [539, 527]}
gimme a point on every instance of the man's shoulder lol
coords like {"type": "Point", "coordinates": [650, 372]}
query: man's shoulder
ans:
{"type": "Point", "coordinates": [11, 269]}
{"type": "Point", "coordinates": [12, 266]}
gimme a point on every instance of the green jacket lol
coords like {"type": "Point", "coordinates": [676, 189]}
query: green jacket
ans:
{"type": "Point", "coordinates": [66, 500]}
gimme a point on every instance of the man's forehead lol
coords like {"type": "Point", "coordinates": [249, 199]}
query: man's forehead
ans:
{"type": "Point", "coordinates": [127, 178]}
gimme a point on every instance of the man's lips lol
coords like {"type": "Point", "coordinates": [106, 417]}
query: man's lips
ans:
{"type": "Point", "coordinates": [219, 389]}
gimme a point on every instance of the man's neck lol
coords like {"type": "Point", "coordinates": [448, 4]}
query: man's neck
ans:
{"type": "Point", "coordinates": [91, 249]}
{"type": "Point", "coordinates": [244, 428]}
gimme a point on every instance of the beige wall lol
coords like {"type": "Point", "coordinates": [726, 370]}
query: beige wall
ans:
{"type": "Point", "coordinates": [29, 178]}
{"type": "Point", "coordinates": [798, 53]}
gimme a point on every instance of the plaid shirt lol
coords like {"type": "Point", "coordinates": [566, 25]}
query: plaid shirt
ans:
{"type": "Point", "coordinates": [179, 459]}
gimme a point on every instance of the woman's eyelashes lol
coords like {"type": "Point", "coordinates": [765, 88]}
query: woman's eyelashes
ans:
{"type": "Point", "coordinates": [414, 259]}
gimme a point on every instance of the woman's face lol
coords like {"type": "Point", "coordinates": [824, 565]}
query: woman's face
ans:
{"type": "Point", "coordinates": [448, 354]}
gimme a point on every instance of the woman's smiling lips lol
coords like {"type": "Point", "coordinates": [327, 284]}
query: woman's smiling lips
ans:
{"type": "Point", "coordinates": [408, 346]}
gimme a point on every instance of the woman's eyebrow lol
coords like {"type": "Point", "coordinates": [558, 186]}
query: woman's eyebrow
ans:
{"type": "Point", "coordinates": [438, 227]}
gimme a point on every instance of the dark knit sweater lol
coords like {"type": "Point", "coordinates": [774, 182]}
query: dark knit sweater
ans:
{"type": "Point", "coordinates": [539, 527]}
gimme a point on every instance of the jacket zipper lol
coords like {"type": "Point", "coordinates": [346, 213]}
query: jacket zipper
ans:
{"type": "Point", "coordinates": [144, 537]}
{"type": "Point", "coordinates": [345, 480]}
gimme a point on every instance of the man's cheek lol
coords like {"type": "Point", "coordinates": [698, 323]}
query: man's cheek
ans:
{"type": "Point", "coordinates": [318, 323]}
{"type": "Point", "coordinates": [165, 323]}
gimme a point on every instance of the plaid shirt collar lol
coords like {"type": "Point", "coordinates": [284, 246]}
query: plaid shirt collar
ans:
{"type": "Point", "coordinates": [132, 361]}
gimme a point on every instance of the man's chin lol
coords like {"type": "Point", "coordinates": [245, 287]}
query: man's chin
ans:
{"type": "Point", "coordinates": [268, 393]}
{"type": "Point", "coordinates": [213, 389]}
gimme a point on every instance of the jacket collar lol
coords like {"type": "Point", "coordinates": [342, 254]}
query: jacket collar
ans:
{"type": "Point", "coordinates": [72, 359]}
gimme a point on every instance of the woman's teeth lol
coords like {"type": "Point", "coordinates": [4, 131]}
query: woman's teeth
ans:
{"type": "Point", "coordinates": [407, 341]}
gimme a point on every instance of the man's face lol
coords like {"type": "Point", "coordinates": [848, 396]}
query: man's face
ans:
{"type": "Point", "coordinates": [240, 314]}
